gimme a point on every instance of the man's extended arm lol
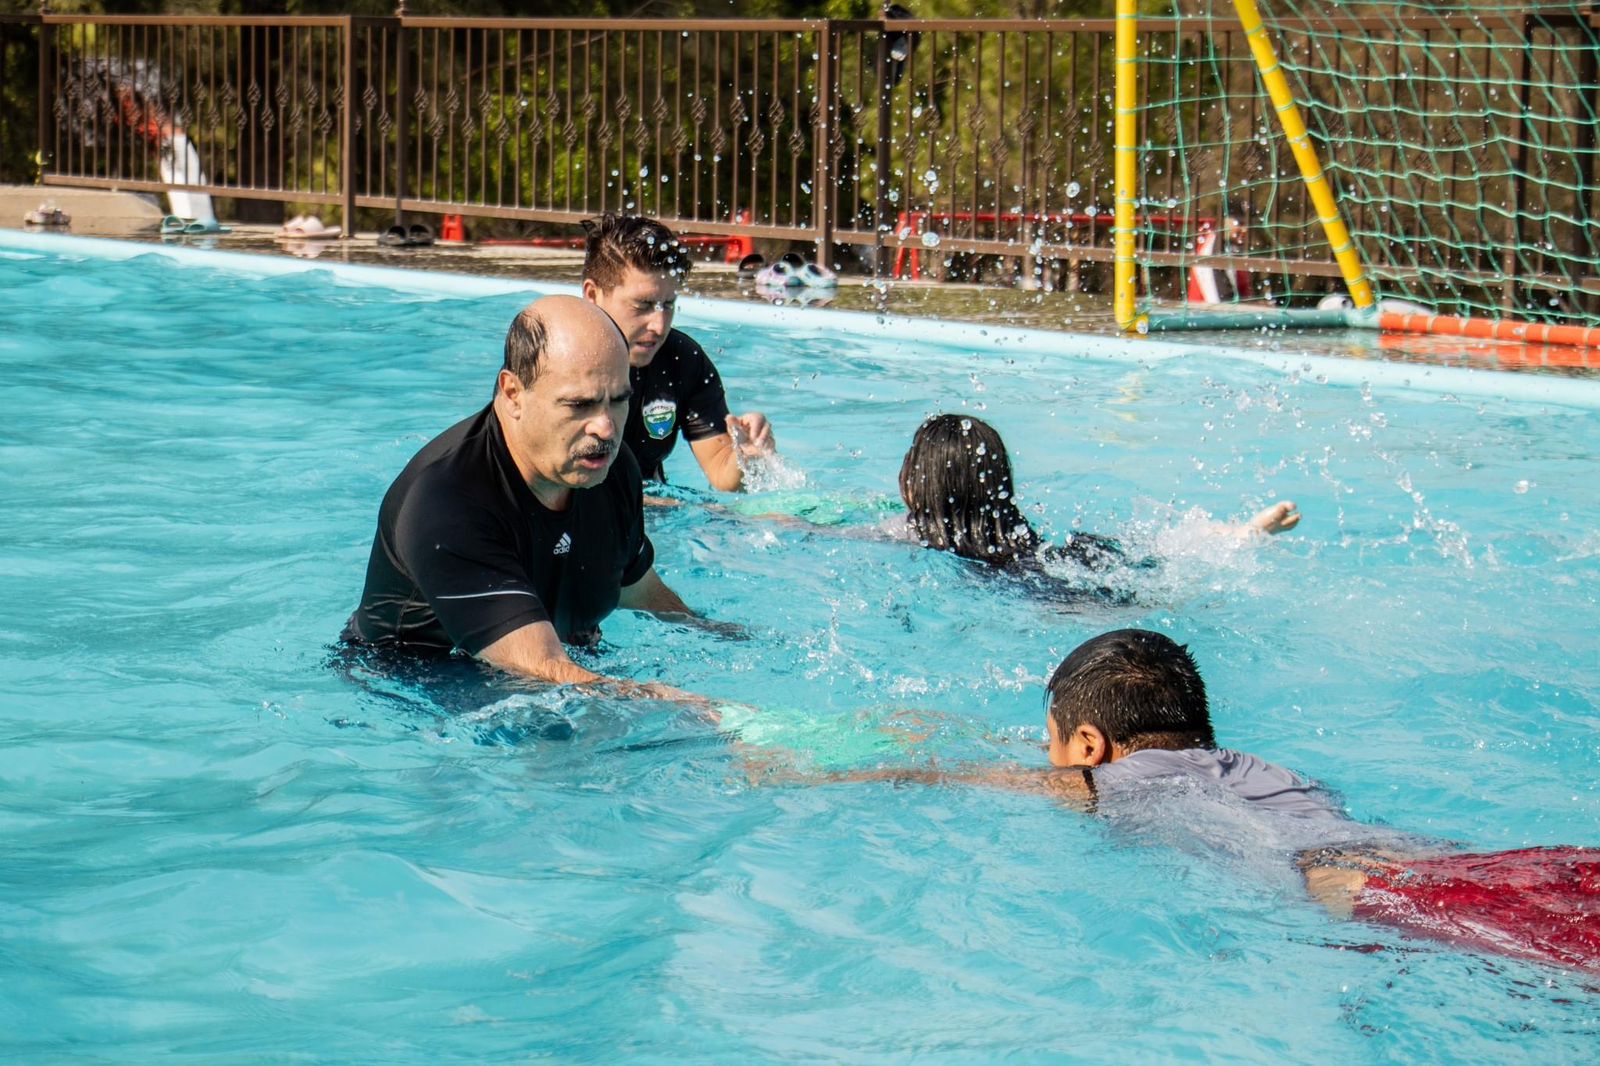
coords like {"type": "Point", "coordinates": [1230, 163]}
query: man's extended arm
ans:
{"type": "Point", "coordinates": [535, 651]}
{"type": "Point", "coordinates": [651, 594]}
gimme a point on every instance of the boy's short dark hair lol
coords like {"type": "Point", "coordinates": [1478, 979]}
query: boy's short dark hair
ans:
{"type": "Point", "coordinates": [614, 243]}
{"type": "Point", "coordinates": [1141, 689]}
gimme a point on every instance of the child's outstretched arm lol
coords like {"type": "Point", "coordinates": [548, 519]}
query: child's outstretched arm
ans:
{"type": "Point", "coordinates": [1074, 787]}
{"type": "Point", "coordinates": [1279, 518]}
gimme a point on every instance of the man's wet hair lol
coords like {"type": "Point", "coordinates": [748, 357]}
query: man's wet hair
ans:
{"type": "Point", "coordinates": [616, 243]}
{"type": "Point", "coordinates": [956, 483]}
{"type": "Point", "coordinates": [1139, 688]}
{"type": "Point", "coordinates": [525, 343]}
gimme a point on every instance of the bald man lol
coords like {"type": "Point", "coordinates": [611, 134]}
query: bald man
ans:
{"type": "Point", "coordinates": [521, 528]}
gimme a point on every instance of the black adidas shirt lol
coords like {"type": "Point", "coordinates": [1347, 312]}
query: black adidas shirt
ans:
{"type": "Point", "coordinates": [680, 389]}
{"type": "Point", "coordinates": [465, 554]}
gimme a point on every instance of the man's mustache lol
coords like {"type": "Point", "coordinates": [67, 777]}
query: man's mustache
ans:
{"type": "Point", "coordinates": [596, 451]}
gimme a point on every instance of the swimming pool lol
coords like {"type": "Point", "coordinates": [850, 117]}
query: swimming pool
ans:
{"type": "Point", "coordinates": [215, 846]}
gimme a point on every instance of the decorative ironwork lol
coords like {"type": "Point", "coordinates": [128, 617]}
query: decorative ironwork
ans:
{"type": "Point", "coordinates": [978, 135]}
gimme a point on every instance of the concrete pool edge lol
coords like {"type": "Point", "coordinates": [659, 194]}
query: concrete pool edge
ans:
{"type": "Point", "coordinates": [1439, 382]}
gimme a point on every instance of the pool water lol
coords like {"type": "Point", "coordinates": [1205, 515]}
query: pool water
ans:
{"type": "Point", "coordinates": [217, 845]}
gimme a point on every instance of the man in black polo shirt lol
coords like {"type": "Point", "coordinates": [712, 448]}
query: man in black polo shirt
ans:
{"type": "Point", "coordinates": [521, 527]}
{"type": "Point", "coordinates": [632, 267]}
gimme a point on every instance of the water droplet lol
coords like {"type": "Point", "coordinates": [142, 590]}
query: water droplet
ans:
{"type": "Point", "coordinates": [1521, 487]}
{"type": "Point", "coordinates": [930, 239]}
{"type": "Point", "coordinates": [1073, 188]}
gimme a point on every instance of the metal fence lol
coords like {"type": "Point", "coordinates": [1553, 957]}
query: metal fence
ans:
{"type": "Point", "coordinates": [978, 137]}
{"type": "Point", "coordinates": [928, 139]}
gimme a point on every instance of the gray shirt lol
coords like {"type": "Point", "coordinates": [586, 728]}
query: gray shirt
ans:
{"type": "Point", "coordinates": [1224, 805]}
{"type": "Point", "coordinates": [1260, 783]}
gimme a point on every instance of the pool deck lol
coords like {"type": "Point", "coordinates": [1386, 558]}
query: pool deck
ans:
{"type": "Point", "coordinates": [136, 217]}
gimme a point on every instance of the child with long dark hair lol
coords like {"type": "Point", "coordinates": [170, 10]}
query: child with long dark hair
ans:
{"type": "Point", "coordinates": [957, 485]}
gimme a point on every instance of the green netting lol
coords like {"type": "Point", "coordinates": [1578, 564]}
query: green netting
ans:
{"type": "Point", "coordinates": [1459, 138]}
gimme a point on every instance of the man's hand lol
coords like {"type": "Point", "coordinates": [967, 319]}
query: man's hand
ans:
{"type": "Point", "coordinates": [752, 434]}
{"type": "Point", "coordinates": [710, 626]}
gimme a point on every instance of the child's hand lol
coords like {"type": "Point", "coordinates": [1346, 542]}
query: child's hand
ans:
{"type": "Point", "coordinates": [1279, 517]}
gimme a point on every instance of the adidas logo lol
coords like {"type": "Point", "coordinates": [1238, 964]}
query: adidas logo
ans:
{"type": "Point", "coordinates": [564, 545]}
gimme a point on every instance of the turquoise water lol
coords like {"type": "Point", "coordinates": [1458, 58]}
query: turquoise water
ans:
{"type": "Point", "coordinates": [213, 846]}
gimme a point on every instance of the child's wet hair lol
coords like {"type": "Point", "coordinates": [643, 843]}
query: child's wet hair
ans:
{"type": "Point", "coordinates": [957, 486]}
{"type": "Point", "coordinates": [1141, 689]}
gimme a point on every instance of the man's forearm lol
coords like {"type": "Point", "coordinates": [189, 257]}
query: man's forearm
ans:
{"type": "Point", "coordinates": [539, 654]}
{"type": "Point", "coordinates": [651, 594]}
{"type": "Point", "coordinates": [719, 459]}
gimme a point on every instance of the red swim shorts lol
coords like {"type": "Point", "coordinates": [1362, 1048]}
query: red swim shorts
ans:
{"type": "Point", "coordinates": [1534, 903]}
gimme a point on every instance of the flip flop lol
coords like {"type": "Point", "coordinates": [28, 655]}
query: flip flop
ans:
{"type": "Point", "coordinates": [393, 237]}
{"type": "Point", "coordinates": [796, 295]}
{"type": "Point", "coordinates": [818, 277]}
{"type": "Point", "coordinates": [783, 273]}
{"type": "Point", "coordinates": [419, 236]}
{"type": "Point", "coordinates": [291, 228]}
{"type": "Point", "coordinates": [172, 224]}
{"type": "Point", "coordinates": [46, 215]}
{"type": "Point", "coordinates": [312, 229]}
{"type": "Point", "coordinates": [197, 228]}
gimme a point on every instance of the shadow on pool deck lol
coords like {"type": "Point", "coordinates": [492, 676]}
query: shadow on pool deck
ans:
{"type": "Point", "coordinates": [129, 217]}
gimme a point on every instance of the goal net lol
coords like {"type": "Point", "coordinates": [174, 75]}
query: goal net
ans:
{"type": "Point", "coordinates": [1457, 139]}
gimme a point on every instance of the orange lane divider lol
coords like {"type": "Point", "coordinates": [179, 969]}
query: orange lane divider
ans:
{"type": "Point", "coordinates": [1446, 350]}
{"type": "Point", "coordinates": [1505, 329]}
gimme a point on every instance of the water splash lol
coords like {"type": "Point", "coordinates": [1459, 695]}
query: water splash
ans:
{"type": "Point", "coordinates": [771, 473]}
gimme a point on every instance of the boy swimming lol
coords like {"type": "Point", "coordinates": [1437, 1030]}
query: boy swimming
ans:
{"type": "Point", "coordinates": [1127, 714]}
